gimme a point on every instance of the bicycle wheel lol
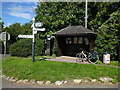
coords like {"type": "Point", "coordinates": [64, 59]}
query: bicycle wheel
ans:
{"type": "Point", "coordinates": [93, 58]}
{"type": "Point", "coordinates": [80, 57]}
{"type": "Point", "coordinates": [77, 57]}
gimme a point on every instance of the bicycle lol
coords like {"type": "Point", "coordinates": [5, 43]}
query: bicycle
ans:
{"type": "Point", "coordinates": [92, 57]}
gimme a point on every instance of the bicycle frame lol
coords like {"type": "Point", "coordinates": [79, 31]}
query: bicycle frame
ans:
{"type": "Point", "coordinates": [90, 58]}
{"type": "Point", "coordinates": [81, 56]}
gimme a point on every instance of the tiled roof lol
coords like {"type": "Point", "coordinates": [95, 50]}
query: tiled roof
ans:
{"type": "Point", "coordinates": [74, 31]}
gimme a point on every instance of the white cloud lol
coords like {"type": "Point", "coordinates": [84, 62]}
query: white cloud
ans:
{"type": "Point", "coordinates": [22, 8]}
{"type": "Point", "coordinates": [19, 0]}
{"type": "Point", "coordinates": [8, 24]}
{"type": "Point", "coordinates": [21, 14]}
{"type": "Point", "coordinates": [22, 11]}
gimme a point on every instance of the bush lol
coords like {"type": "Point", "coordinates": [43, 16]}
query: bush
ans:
{"type": "Point", "coordinates": [23, 48]}
{"type": "Point", "coordinates": [107, 39]}
{"type": "Point", "coordinates": [39, 45]}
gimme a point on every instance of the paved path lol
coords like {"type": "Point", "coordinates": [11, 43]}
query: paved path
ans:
{"type": "Point", "coordinates": [2, 56]}
{"type": "Point", "coordinates": [73, 60]}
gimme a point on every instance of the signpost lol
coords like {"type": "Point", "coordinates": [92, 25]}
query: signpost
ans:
{"type": "Point", "coordinates": [33, 26]}
{"type": "Point", "coordinates": [40, 29]}
{"type": "Point", "coordinates": [38, 24]}
{"type": "Point", "coordinates": [33, 42]}
{"type": "Point", "coordinates": [25, 36]}
{"type": "Point", "coordinates": [35, 31]}
{"type": "Point", "coordinates": [4, 36]}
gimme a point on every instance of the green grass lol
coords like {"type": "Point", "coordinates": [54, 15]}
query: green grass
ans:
{"type": "Point", "coordinates": [113, 63]}
{"type": "Point", "coordinates": [0, 64]}
{"type": "Point", "coordinates": [22, 68]}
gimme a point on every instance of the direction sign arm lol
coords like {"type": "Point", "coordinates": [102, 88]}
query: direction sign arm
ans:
{"type": "Point", "coordinates": [38, 24]}
{"type": "Point", "coordinates": [25, 36]}
{"type": "Point", "coordinates": [40, 29]}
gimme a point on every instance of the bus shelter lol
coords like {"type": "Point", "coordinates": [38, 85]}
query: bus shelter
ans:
{"type": "Point", "coordinates": [73, 38]}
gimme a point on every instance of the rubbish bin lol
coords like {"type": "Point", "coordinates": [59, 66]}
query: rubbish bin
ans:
{"type": "Point", "coordinates": [106, 58]}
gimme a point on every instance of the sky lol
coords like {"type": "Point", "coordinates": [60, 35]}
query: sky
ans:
{"type": "Point", "coordinates": [17, 12]}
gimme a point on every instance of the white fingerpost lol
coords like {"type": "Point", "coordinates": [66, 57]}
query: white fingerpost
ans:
{"type": "Point", "coordinates": [33, 26]}
{"type": "Point", "coordinates": [34, 31]}
{"type": "Point", "coordinates": [33, 43]}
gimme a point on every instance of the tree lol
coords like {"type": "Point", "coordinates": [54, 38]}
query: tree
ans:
{"type": "Point", "coordinates": [108, 32]}
{"type": "Point", "coordinates": [1, 25]}
{"type": "Point", "coordinates": [26, 29]}
{"type": "Point", "coordinates": [14, 30]}
{"type": "Point", "coordinates": [58, 15]}
{"type": "Point", "coordinates": [100, 13]}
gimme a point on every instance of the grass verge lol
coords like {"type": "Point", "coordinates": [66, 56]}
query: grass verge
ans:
{"type": "Point", "coordinates": [113, 63]}
{"type": "Point", "coordinates": [22, 68]}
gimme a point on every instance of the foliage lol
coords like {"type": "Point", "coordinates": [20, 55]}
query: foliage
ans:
{"type": "Point", "coordinates": [23, 48]}
{"type": "Point", "coordinates": [100, 13]}
{"type": "Point", "coordinates": [15, 29]}
{"type": "Point", "coordinates": [1, 24]}
{"type": "Point", "coordinates": [27, 30]}
{"type": "Point", "coordinates": [107, 39]}
{"type": "Point", "coordinates": [112, 63]}
{"type": "Point", "coordinates": [106, 24]}
{"type": "Point", "coordinates": [23, 68]}
{"type": "Point", "coordinates": [53, 55]}
{"type": "Point", "coordinates": [58, 15]}
{"type": "Point", "coordinates": [39, 45]}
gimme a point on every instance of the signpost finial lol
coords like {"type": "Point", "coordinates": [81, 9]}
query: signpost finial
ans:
{"type": "Point", "coordinates": [33, 19]}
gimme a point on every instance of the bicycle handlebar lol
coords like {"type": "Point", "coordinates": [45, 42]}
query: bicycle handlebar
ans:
{"type": "Point", "coordinates": [84, 51]}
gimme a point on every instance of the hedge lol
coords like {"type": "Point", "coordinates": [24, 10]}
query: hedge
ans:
{"type": "Point", "coordinates": [23, 48]}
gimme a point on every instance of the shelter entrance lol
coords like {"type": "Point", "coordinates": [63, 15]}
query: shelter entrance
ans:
{"type": "Point", "coordinates": [73, 39]}
{"type": "Point", "coordinates": [73, 45]}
